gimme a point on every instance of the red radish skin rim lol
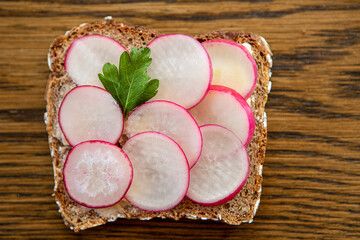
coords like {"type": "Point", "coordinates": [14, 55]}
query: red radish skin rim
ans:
{"type": "Point", "coordinates": [237, 190]}
{"type": "Point", "coordinates": [243, 103]}
{"type": "Point", "coordinates": [188, 179]}
{"type": "Point", "coordinates": [82, 86]}
{"type": "Point", "coordinates": [248, 55]}
{"type": "Point", "coordinates": [208, 57]}
{"type": "Point", "coordinates": [78, 39]}
{"type": "Point", "coordinates": [107, 143]}
{"type": "Point", "coordinates": [165, 101]}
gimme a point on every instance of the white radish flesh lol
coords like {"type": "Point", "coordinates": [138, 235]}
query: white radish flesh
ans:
{"type": "Point", "coordinates": [226, 107]}
{"type": "Point", "coordinates": [97, 174]}
{"type": "Point", "coordinates": [183, 68]}
{"type": "Point", "coordinates": [90, 113]}
{"type": "Point", "coordinates": [171, 120]}
{"type": "Point", "coordinates": [233, 66]}
{"type": "Point", "coordinates": [161, 172]}
{"type": "Point", "coordinates": [222, 168]}
{"type": "Point", "coordinates": [87, 55]}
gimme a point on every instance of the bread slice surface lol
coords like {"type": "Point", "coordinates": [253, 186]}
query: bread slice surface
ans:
{"type": "Point", "coordinates": [241, 209]}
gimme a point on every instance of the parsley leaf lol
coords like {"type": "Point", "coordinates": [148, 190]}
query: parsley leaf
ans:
{"type": "Point", "coordinates": [130, 85]}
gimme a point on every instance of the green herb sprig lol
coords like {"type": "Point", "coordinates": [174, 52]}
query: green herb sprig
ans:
{"type": "Point", "coordinates": [130, 85]}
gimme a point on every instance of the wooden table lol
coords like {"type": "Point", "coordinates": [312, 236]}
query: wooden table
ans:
{"type": "Point", "coordinates": [311, 185]}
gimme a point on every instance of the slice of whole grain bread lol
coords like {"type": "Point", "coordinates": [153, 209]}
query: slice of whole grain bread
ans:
{"type": "Point", "coordinates": [241, 209]}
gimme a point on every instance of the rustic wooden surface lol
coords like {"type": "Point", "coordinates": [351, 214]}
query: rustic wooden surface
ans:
{"type": "Point", "coordinates": [311, 185]}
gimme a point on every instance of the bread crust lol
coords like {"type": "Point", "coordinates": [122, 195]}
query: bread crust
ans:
{"type": "Point", "coordinates": [241, 209]}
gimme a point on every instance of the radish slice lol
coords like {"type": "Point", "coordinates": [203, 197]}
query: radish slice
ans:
{"type": "Point", "coordinates": [226, 107]}
{"type": "Point", "coordinates": [97, 174]}
{"type": "Point", "coordinates": [161, 172]}
{"type": "Point", "coordinates": [233, 66]}
{"type": "Point", "coordinates": [87, 55]}
{"type": "Point", "coordinates": [222, 169]}
{"type": "Point", "coordinates": [183, 68]}
{"type": "Point", "coordinates": [90, 113]}
{"type": "Point", "coordinates": [171, 120]}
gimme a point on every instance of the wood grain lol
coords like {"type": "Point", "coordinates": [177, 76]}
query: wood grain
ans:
{"type": "Point", "coordinates": [311, 187]}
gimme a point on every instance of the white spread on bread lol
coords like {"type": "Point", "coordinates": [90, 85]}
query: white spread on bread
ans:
{"type": "Point", "coordinates": [248, 47]}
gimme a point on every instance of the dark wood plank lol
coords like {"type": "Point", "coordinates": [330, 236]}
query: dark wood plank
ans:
{"type": "Point", "coordinates": [311, 186]}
